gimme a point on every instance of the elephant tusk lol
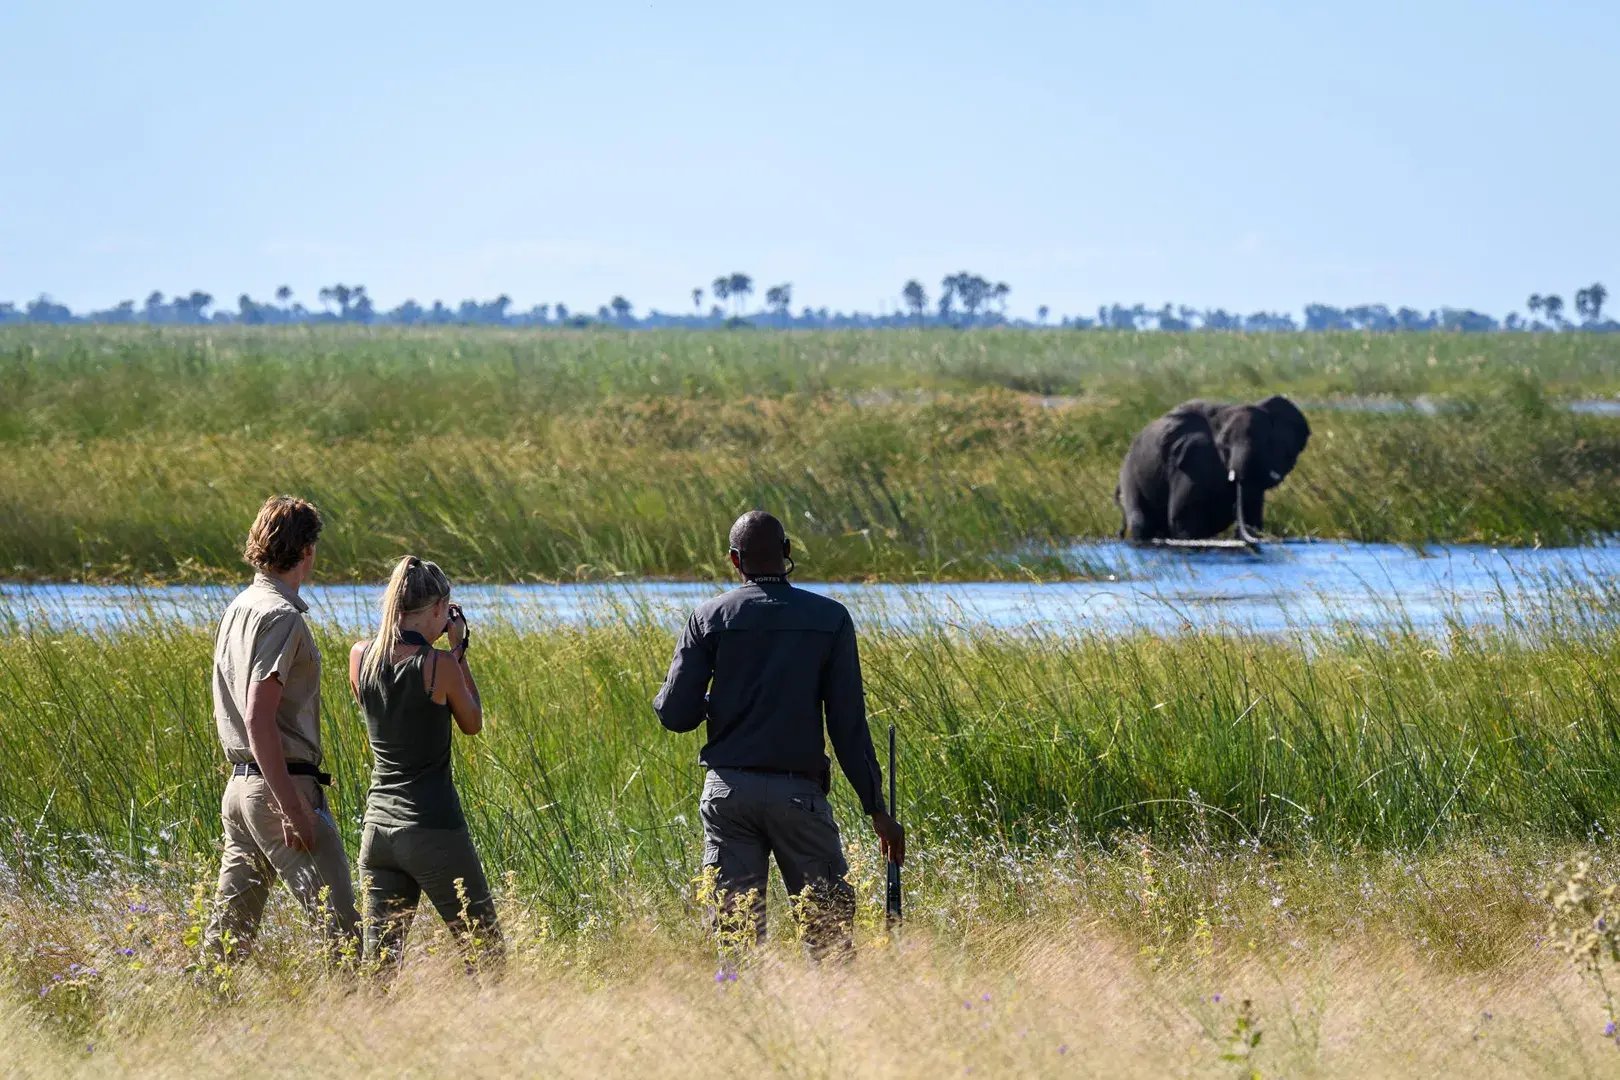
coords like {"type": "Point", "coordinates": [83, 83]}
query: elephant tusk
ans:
{"type": "Point", "coordinates": [1275, 475]}
{"type": "Point", "coordinates": [1231, 477]}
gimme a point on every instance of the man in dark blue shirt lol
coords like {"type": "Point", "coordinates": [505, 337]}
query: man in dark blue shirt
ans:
{"type": "Point", "coordinates": [775, 672]}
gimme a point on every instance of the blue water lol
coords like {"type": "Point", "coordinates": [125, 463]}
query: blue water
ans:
{"type": "Point", "coordinates": [1293, 587]}
{"type": "Point", "coordinates": [1425, 405]}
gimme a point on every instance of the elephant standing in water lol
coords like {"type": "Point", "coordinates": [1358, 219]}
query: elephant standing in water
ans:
{"type": "Point", "coordinates": [1201, 467]}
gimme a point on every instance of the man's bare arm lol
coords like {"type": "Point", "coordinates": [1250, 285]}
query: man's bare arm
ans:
{"type": "Point", "coordinates": [264, 742]}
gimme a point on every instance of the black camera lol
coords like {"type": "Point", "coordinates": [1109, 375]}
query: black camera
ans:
{"type": "Point", "coordinates": [458, 616]}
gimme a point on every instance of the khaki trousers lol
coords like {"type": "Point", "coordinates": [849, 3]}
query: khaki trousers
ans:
{"type": "Point", "coordinates": [256, 853]}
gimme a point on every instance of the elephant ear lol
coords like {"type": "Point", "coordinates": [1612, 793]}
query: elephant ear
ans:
{"type": "Point", "coordinates": [1289, 427]}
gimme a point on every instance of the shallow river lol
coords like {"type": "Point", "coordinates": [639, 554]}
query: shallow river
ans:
{"type": "Point", "coordinates": [1293, 587]}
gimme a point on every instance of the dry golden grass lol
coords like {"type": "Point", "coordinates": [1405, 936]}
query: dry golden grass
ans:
{"type": "Point", "coordinates": [1092, 982]}
{"type": "Point", "coordinates": [1043, 1000]}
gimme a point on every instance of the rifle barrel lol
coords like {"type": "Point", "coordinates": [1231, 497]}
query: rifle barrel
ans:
{"type": "Point", "coordinates": [894, 810]}
{"type": "Point", "coordinates": [892, 899]}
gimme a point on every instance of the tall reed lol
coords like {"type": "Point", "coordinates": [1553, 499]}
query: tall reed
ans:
{"type": "Point", "coordinates": [1361, 741]}
{"type": "Point", "coordinates": [978, 485]}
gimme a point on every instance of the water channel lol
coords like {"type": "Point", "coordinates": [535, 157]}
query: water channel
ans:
{"type": "Point", "coordinates": [1296, 587]}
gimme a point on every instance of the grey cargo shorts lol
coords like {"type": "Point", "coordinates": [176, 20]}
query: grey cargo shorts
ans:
{"type": "Point", "coordinates": [750, 816]}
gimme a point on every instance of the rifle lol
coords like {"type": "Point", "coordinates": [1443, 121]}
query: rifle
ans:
{"type": "Point", "coordinates": [892, 906]}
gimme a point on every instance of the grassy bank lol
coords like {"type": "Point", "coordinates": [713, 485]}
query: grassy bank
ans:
{"type": "Point", "coordinates": [1012, 745]}
{"type": "Point", "coordinates": [142, 454]}
{"type": "Point", "coordinates": [83, 382]}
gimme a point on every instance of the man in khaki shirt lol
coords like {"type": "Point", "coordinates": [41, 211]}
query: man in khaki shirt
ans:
{"type": "Point", "coordinates": [267, 706]}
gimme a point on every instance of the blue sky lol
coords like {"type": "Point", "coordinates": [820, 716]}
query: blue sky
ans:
{"type": "Point", "coordinates": [1246, 156]}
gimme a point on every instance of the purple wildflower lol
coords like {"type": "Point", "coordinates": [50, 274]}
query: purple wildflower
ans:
{"type": "Point", "coordinates": [720, 976]}
{"type": "Point", "coordinates": [127, 951]}
{"type": "Point", "coordinates": [1608, 1029]}
{"type": "Point", "coordinates": [1216, 998]}
{"type": "Point", "coordinates": [1064, 1049]}
{"type": "Point", "coordinates": [732, 976]}
{"type": "Point", "coordinates": [984, 997]}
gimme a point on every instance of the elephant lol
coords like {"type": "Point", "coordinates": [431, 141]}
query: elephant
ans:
{"type": "Point", "coordinates": [1201, 467]}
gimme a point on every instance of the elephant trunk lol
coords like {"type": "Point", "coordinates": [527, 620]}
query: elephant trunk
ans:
{"type": "Point", "coordinates": [1242, 530]}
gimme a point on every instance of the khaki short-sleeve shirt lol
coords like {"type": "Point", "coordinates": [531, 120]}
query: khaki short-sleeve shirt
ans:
{"type": "Point", "coordinates": [263, 634]}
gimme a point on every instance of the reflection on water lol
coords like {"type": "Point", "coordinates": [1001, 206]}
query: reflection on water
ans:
{"type": "Point", "coordinates": [1305, 586]}
{"type": "Point", "coordinates": [1596, 407]}
{"type": "Point", "coordinates": [1293, 587]}
{"type": "Point", "coordinates": [1421, 405]}
{"type": "Point", "coordinates": [1425, 405]}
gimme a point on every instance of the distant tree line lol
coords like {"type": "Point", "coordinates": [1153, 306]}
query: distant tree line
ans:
{"type": "Point", "coordinates": [964, 300]}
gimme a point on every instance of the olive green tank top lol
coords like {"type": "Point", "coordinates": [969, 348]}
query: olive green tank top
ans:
{"type": "Point", "coordinates": [410, 749]}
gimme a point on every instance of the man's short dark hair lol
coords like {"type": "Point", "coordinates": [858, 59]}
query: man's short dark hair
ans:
{"type": "Point", "coordinates": [757, 538]}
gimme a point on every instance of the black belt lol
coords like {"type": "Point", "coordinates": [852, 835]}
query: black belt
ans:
{"type": "Point", "coordinates": [294, 768]}
{"type": "Point", "coordinates": [770, 772]}
{"type": "Point", "coordinates": [822, 780]}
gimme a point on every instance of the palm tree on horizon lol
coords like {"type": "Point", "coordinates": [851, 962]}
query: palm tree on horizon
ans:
{"type": "Point", "coordinates": [780, 298]}
{"type": "Point", "coordinates": [1589, 301]}
{"type": "Point", "coordinates": [915, 297]}
{"type": "Point", "coordinates": [741, 286]}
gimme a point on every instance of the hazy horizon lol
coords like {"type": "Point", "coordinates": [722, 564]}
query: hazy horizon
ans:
{"type": "Point", "coordinates": [1259, 160]}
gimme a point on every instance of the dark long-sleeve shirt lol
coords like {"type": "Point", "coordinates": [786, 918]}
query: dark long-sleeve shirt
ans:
{"type": "Point", "coordinates": [766, 665]}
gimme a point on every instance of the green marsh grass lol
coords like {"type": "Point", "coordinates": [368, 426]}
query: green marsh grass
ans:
{"type": "Point", "coordinates": [344, 382]}
{"type": "Point", "coordinates": [141, 454]}
{"type": "Point", "coordinates": [1012, 743]}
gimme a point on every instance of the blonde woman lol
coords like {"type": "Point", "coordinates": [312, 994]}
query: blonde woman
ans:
{"type": "Point", "coordinates": [415, 838]}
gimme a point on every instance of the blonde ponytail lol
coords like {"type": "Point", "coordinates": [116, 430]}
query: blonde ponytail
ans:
{"type": "Point", "coordinates": [415, 584]}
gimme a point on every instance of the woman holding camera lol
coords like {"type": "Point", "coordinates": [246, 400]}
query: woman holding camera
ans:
{"type": "Point", "coordinates": [416, 839]}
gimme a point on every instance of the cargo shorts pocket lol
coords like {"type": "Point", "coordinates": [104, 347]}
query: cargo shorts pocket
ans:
{"type": "Point", "coordinates": [815, 805]}
{"type": "Point", "coordinates": [712, 812]}
{"type": "Point", "coordinates": [715, 788]}
{"type": "Point", "coordinates": [257, 791]}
